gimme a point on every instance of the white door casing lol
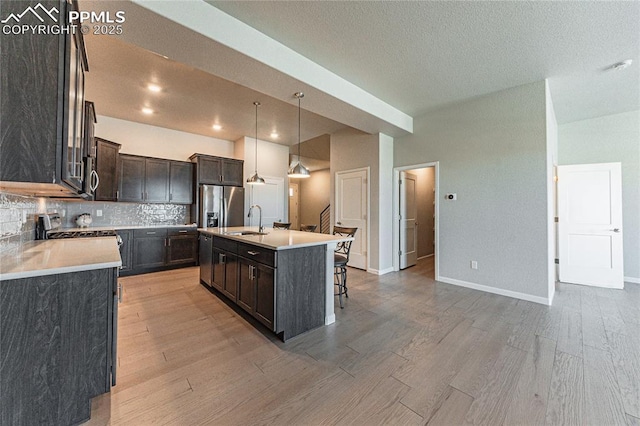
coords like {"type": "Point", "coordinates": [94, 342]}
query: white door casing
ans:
{"type": "Point", "coordinates": [294, 205]}
{"type": "Point", "coordinates": [352, 194]}
{"type": "Point", "coordinates": [590, 224]}
{"type": "Point", "coordinates": [270, 197]}
{"type": "Point", "coordinates": [408, 220]}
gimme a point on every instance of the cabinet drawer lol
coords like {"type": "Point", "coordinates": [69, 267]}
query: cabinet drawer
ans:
{"type": "Point", "coordinates": [185, 231]}
{"type": "Point", "coordinates": [225, 244]}
{"type": "Point", "coordinates": [150, 232]}
{"type": "Point", "coordinates": [257, 254]}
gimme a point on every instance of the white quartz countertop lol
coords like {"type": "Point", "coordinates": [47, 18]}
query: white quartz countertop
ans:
{"type": "Point", "coordinates": [119, 227]}
{"type": "Point", "coordinates": [49, 257]}
{"type": "Point", "coordinates": [276, 239]}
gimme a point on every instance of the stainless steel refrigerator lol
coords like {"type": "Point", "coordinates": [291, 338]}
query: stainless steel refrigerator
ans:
{"type": "Point", "coordinates": [221, 206]}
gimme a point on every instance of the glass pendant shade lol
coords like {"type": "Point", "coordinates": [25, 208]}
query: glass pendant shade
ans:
{"type": "Point", "coordinates": [298, 171]}
{"type": "Point", "coordinates": [256, 179]}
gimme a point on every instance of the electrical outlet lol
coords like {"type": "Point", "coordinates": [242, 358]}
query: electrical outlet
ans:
{"type": "Point", "coordinates": [99, 213]}
{"type": "Point", "coordinates": [474, 264]}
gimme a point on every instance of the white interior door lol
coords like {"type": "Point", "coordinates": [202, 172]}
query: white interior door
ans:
{"type": "Point", "coordinates": [270, 197]}
{"type": "Point", "coordinates": [352, 194]}
{"type": "Point", "coordinates": [408, 220]}
{"type": "Point", "coordinates": [590, 224]}
{"type": "Point", "coordinates": [294, 205]}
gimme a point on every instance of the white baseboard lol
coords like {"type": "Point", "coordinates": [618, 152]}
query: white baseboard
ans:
{"type": "Point", "coordinates": [424, 257]}
{"type": "Point", "coordinates": [330, 319]}
{"type": "Point", "coordinates": [380, 272]}
{"type": "Point", "coordinates": [632, 280]}
{"type": "Point", "coordinates": [494, 290]}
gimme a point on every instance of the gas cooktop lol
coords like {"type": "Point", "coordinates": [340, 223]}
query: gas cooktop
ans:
{"type": "Point", "coordinates": [54, 235]}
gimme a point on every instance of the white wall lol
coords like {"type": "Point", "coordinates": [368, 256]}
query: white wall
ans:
{"type": "Point", "coordinates": [492, 153]}
{"type": "Point", "coordinates": [273, 162]}
{"type": "Point", "coordinates": [353, 149]}
{"type": "Point", "coordinates": [612, 138]}
{"type": "Point", "coordinates": [315, 196]}
{"type": "Point", "coordinates": [152, 141]}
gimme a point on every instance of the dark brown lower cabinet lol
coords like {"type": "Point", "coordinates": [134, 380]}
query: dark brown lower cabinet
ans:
{"type": "Point", "coordinates": [149, 248]}
{"type": "Point", "coordinates": [158, 249]}
{"type": "Point", "coordinates": [57, 346]}
{"type": "Point", "coordinates": [225, 273]}
{"type": "Point", "coordinates": [205, 258]}
{"type": "Point", "coordinates": [264, 279]}
{"type": "Point", "coordinates": [246, 285]}
{"type": "Point", "coordinates": [182, 246]}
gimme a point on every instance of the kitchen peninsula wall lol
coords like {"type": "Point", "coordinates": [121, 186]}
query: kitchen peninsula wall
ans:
{"type": "Point", "coordinates": [18, 215]}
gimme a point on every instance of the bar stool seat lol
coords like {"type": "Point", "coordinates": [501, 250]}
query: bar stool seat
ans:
{"type": "Point", "coordinates": [281, 225]}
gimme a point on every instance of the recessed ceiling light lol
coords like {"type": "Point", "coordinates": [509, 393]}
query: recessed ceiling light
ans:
{"type": "Point", "coordinates": [147, 111]}
{"type": "Point", "coordinates": [154, 88]}
{"type": "Point", "coordinates": [621, 65]}
{"type": "Point", "coordinates": [217, 127]}
{"type": "Point", "coordinates": [274, 135]}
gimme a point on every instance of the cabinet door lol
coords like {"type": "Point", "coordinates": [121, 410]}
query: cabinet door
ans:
{"type": "Point", "coordinates": [131, 185]}
{"type": "Point", "coordinates": [125, 250]}
{"type": "Point", "coordinates": [209, 170]}
{"type": "Point", "coordinates": [232, 172]}
{"type": "Point", "coordinates": [231, 276]}
{"type": "Point", "coordinates": [32, 121]}
{"type": "Point", "coordinates": [181, 183]}
{"type": "Point", "coordinates": [246, 285]}
{"type": "Point", "coordinates": [89, 129]}
{"type": "Point", "coordinates": [205, 256]}
{"type": "Point", "coordinates": [182, 249]}
{"type": "Point", "coordinates": [156, 180]}
{"type": "Point", "coordinates": [149, 251]}
{"type": "Point", "coordinates": [218, 261]}
{"type": "Point", "coordinates": [265, 295]}
{"type": "Point", "coordinates": [107, 169]}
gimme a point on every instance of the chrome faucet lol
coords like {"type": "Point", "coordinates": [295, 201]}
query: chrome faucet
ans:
{"type": "Point", "coordinates": [260, 227]}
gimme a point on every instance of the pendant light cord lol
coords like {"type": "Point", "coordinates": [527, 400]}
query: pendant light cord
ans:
{"type": "Point", "coordinates": [257, 104]}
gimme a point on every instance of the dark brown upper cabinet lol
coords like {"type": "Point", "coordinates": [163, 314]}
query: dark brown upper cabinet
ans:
{"type": "Point", "coordinates": [154, 180]}
{"type": "Point", "coordinates": [107, 156]}
{"type": "Point", "coordinates": [217, 170]}
{"type": "Point", "coordinates": [42, 86]}
{"type": "Point", "coordinates": [181, 182]}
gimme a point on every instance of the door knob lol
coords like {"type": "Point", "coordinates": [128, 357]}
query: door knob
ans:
{"type": "Point", "coordinates": [616, 230]}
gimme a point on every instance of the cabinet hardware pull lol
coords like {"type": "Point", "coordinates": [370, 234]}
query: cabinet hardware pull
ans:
{"type": "Point", "coordinates": [170, 196]}
{"type": "Point", "coordinates": [183, 232]}
{"type": "Point", "coordinates": [168, 242]}
{"type": "Point", "coordinates": [222, 258]}
{"type": "Point", "coordinates": [151, 233]}
{"type": "Point", "coordinates": [117, 195]}
{"type": "Point", "coordinates": [119, 293]}
{"type": "Point", "coordinates": [253, 253]}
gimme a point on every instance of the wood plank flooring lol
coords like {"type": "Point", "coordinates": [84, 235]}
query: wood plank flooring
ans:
{"type": "Point", "coordinates": [404, 350]}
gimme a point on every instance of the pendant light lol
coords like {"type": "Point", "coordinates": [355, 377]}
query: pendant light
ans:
{"type": "Point", "coordinates": [256, 179]}
{"type": "Point", "coordinates": [298, 170]}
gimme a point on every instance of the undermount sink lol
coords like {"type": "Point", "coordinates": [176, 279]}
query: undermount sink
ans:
{"type": "Point", "coordinates": [244, 233]}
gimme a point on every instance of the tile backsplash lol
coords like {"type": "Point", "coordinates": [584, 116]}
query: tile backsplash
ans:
{"type": "Point", "coordinates": [18, 215]}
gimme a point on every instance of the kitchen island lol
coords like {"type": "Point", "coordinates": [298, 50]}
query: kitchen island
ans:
{"type": "Point", "coordinates": [282, 278]}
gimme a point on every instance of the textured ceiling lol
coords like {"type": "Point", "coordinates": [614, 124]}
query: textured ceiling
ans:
{"type": "Point", "coordinates": [415, 56]}
{"type": "Point", "coordinates": [421, 55]}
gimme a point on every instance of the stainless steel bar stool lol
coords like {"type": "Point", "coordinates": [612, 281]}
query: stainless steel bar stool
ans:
{"type": "Point", "coordinates": [340, 260]}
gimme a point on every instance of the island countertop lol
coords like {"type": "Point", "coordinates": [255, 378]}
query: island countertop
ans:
{"type": "Point", "coordinates": [275, 239]}
{"type": "Point", "coordinates": [50, 257]}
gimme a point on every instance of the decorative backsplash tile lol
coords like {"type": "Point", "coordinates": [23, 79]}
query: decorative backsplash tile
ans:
{"type": "Point", "coordinates": [18, 215]}
{"type": "Point", "coordinates": [133, 214]}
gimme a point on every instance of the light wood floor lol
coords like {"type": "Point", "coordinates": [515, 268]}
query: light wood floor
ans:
{"type": "Point", "coordinates": [405, 350]}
